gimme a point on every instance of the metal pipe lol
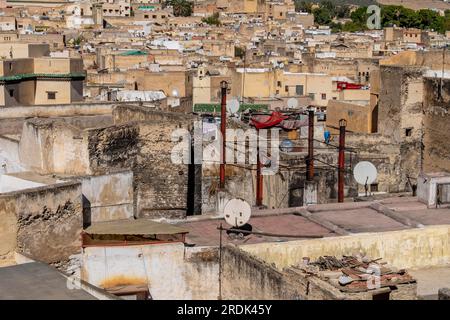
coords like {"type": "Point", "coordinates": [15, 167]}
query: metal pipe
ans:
{"type": "Point", "coordinates": [220, 263]}
{"type": "Point", "coordinates": [341, 160]}
{"type": "Point", "coordinates": [310, 160]}
{"type": "Point", "coordinates": [259, 177]}
{"type": "Point", "coordinates": [223, 126]}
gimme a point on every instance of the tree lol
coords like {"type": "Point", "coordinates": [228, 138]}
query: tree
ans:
{"type": "Point", "coordinates": [322, 16]}
{"type": "Point", "coordinates": [181, 8]}
{"type": "Point", "coordinates": [212, 20]}
{"type": "Point", "coordinates": [239, 52]}
{"type": "Point", "coordinates": [304, 6]}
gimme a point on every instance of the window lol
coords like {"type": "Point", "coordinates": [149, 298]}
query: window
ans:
{"type": "Point", "coordinates": [279, 83]}
{"type": "Point", "coordinates": [154, 16]}
{"type": "Point", "coordinates": [408, 132]}
{"type": "Point", "coordinates": [286, 88]}
{"type": "Point", "coordinates": [299, 90]}
{"type": "Point", "coordinates": [51, 95]}
{"type": "Point", "coordinates": [374, 187]}
{"type": "Point", "coordinates": [324, 96]}
{"type": "Point", "coordinates": [146, 16]}
{"type": "Point", "coordinates": [11, 92]}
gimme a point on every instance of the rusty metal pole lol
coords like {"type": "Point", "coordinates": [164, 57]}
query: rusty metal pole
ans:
{"type": "Point", "coordinates": [259, 177]}
{"type": "Point", "coordinates": [342, 125]}
{"type": "Point", "coordinates": [223, 126]}
{"type": "Point", "coordinates": [310, 160]}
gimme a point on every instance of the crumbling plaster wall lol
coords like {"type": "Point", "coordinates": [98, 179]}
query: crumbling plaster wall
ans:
{"type": "Point", "coordinates": [53, 146]}
{"type": "Point", "coordinates": [400, 119]}
{"type": "Point", "coordinates": [436, 126]}
{"type": "Point", "coordinates": [108, 197]}
{"type": "Point", "coordinates": [171, 271]}
{"type": "Point", "coordinates": [44, 223]}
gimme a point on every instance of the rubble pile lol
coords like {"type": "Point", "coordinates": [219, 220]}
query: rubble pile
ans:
{"type": "Point", "coordinates": [355, 273]}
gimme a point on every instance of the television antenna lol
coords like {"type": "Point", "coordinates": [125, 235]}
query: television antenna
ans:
{"type": "Point", "coordinates": [237, 212]}
{"type": "Point", "coordinates": [365, 173]}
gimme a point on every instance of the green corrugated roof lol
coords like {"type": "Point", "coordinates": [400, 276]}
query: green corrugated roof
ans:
{"type": "Point", "coordinates": [146, 7]}
{"type": "Point", "coordinates": [24, 76]}
{"type": "Point", "coordinates": [133, 53]}
{"type": "Point", "coordinates": [211, 107]}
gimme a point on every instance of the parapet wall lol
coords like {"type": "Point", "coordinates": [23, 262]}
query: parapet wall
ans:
{"type": "Point", "coordinates": [44, 223]}
{"type": "Point", "coordinates": [413, 248]}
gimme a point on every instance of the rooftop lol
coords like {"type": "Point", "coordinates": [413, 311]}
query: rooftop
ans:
{"type": "Point", "coordinates": [326, 220]}
{"type": "Point", "coordinates": [37, 281]}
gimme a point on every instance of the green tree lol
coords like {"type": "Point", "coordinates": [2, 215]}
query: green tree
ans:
{"type": "Point", "coordinates": [212, 20]}
{"type": "Point", "coordinates": [304, 6]}
{"type": "Point", "coordinates": [239, 52]}
{"type": "Point", "coordinates": [322, 16]}
{"type": "Point", "coordinates": [181, 8]}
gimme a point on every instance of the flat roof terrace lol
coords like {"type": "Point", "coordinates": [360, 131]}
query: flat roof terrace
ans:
{"type": "Point", "coordinates": [325, 220]}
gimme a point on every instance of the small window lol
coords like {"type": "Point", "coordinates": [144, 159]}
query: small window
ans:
{"type": "Point", "coordinates": [146, 16]}
{"type": "Point", "coordinates": [408, 132]}
{"type": "Point", "coordinates": [154, 16]}
{"type": "Point", "coordinates": [11, 92]}
{"type": "Point", "coordinates": [279, 83]}
{"type": "Point", "coordinates": [299, 90]}
{"type": "Point", "coordinates": [374, 187]}
{"type": "Point", "coordinates": [286, 88]}
{"type": "Point", "coordinates": [324, 96]}
{"type": "Point", "coordinates": [51, 95]}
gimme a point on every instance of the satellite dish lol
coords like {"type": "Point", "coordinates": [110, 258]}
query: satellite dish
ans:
{"type": "Point", "coordinates": [237, 212]}
{"type": "Point", "coordinates": [233, 106]}
{"type": "Point", "coordinates": [286, 145]}
{"type": "Point", "coordinates": [365, 173]}
{"type": "Point", "coordinates": [292, 103]}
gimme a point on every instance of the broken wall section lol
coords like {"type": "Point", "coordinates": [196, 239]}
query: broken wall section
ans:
{"type": "Point", "coordinates": [436, 125]}
{"type": "Point", "coordinates": [44, 223]}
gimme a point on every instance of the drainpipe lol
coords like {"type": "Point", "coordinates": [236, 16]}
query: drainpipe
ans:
{"type": "Point", "coordinates": [259, 177]}
{"type": "Point", "coordinates": [223, 126]}
{"type": "Point", "coordinates": [310, 160]}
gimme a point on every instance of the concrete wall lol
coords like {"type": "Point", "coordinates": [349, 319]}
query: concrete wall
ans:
{"type": "Point", "coordinates": [108, 197]}
{"type": "Point", "coordinates": [415, 248]}
{"type": "Point", "coordinates": [358, 116]}
{"type": "Point", "coordinates": [436, 121]}
{"type": "Point", "coordinates": [48, 146]}
{"type": "Point", "coordinates": [171, 271]}
{"type": "Point", "coordinates": [44, 223]}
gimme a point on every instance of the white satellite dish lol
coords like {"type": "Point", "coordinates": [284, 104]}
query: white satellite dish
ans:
{"type": "Point", "coordinates": [175, 93]}
{"type": "Point", "coordinates": [292, 103]}
{"type": "Point", "coordinates": [233, 106]}
{"type": "Point", "coordinates": [237, 212]}
{"type": "Point", "coordinates": [365, 173]}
